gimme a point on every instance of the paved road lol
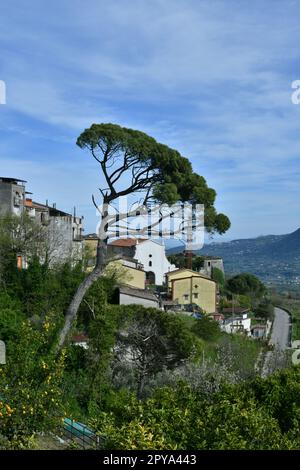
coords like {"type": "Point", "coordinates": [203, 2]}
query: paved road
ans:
{"type": "Point", "coordinates": [280, 338]}
{"type": "Point", "coordinates": [281, 329]}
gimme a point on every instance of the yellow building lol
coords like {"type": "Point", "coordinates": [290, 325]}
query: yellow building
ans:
{"type": "Point", "coordinates": [90, 243]}
{"type": "Point", "coordinates": [127, 272]}
{"type": "Point", "coordinates": [190, 287]}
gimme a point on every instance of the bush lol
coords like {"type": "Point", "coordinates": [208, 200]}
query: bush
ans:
{"type": "Point", "coordinates": [207, 329]}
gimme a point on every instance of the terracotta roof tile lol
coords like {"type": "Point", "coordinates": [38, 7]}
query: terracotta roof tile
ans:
{"type": "Point", "coordinates": [127, 241]}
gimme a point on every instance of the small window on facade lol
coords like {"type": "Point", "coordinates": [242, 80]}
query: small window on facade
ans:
{"type": "Point", "coordinates": [196, 286]}
{"type": "Point", "coordinates": [186, 297]}
{"type": "Point", "coordinates": [208, 263]}
{"type": "Point", "coordinates": [150, 256]}
{"type": "Point", "coordinates": [195, 296]}
{"type": "Point", "coordinates": [150, 263]}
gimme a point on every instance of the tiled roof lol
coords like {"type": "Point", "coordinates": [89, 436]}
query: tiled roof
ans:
{"type": "Point", "coordinates": [141, 293]}
{"type": "Point", "coordinates": [128, 241]}
{"type": "Point", "coordinates": [80, 338]}
{"type": "Point", "coordinates": [91, 236]}
{"type": "Point", "coordinates": [194, 273]}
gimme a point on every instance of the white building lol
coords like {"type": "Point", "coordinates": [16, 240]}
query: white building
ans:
{"type": "Point", "coordinates": [126, 295]}
{"type": "Point", "coordinates": [151, 254]}
{"type": "Point", "coordinates": [240, 324]}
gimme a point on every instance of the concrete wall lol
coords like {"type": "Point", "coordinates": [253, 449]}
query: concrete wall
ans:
{"type": "Point", "coordinates": [11, 198]}
{"type": "Point", "coordinates": [179, 274]}
{"type": "Point", "coordinates": [196, 290]}
{"type": "Point", "coordinates": [64, 239]}
{"type": "Point", "coordinates": [60, 238]}
{"type": "Point", "coordinates": [127, 275]}
{"type": "Point", "coordinates": [128, 300]}
{"type": "Point", "coordinates": [242, 324]}
{"type": "Point", "coordinates": [209, 264]}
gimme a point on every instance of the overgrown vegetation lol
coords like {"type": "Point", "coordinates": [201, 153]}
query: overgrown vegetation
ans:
{"type": "Point", "coordinates": [148, 379]}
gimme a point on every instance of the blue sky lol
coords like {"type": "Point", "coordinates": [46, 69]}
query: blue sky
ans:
{"type": "Point", "coordinates": [209, 78]}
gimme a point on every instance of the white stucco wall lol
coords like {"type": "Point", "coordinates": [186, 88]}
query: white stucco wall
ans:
{"type": "Point", "coordinates": [130, 299]}
{"type": "Point", "coordinates": [232, 327]}
{"type": "Point", "coordinates": [150, 251]}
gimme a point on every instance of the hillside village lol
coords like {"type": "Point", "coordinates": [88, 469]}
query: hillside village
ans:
{"type": "Point", "coordinates": [145, 275]}
{"type": "Point", "coordinates": [149, 232]}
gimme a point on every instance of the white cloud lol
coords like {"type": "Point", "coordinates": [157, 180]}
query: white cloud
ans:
{"type": "Point", "coordinates": [209, 78]}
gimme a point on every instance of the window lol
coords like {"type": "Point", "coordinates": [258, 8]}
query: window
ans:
{"type": "Point", "coordinates": [196, 286]}
{"type": "Point", "coordinates": [186, 297]}
{"type": "Point", "coordinates": [16, 201]}
{"type": "Point", "coordinates": [195, 296]}
{"type": "Point", "coordinates": [208, 263]}
{"type": "Point", "coordinates": [150, 263]}
{"type": "Point", "coordinates": [150, 256]}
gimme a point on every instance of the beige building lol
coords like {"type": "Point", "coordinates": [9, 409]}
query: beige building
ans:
{"type": "Point", "coordinates": [190, 287]}
{"type": "Point", "coordinates": [128, 272]}
{"type": "Point", "coordinates": [90, 243]}
{"type": "Point", "coordinates": [182, 273]}
{"type": "Point", "coordinates": [126, 295]}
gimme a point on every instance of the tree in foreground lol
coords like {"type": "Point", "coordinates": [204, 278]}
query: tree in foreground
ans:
{"type": "Point", "coordinates": [134, 164]}
{"type": "Point", "coordinates": [148, 341]}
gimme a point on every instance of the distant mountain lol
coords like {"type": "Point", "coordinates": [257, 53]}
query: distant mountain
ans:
{"type": "Point", "coordinates": [273, 258]}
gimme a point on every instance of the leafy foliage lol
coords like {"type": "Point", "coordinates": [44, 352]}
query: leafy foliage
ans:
{"type": "Point", "coordinates": [246, 284]}
{"type": "Point", "coordinates": [161, 172]}
{"type": "Point", "coordinates": [207, 328]}
{"type": "Point", "coordinates": [218, 276]}
{"type": "Point", "coordinates": [30, 386]}
{"type": "Point", "coordinates": [248, 416]}
{"type": "Point", "coordinates": [180, 260]}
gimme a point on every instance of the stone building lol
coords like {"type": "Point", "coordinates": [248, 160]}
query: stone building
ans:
{"type": "Point", "coordinates": [211, 262]}
{"type": "Point", "coordinates": [12, 196]}
{"type": "Point", "coordinates": [63, 231]}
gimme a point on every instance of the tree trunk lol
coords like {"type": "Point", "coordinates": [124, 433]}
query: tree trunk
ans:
{"type": "Point", "coordinates": [81, 291]}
